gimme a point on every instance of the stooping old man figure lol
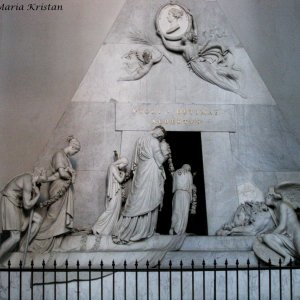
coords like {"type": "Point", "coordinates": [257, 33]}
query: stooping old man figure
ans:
{"type": "Point", "coordinates": [18, 198]}
{"type": "Point", "coordinates": [139, 218]}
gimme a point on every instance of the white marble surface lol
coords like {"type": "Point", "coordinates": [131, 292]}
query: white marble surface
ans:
{"type": "Point", "coordinates": [175, 117]}
{"type": "Point", "coordinates": [217, 243]}
{"type": "Point", "coordinates": [262, 141]}
{"type": "Point", "coordinates": [219, 177]}
{"type": "Point", "coordinates": [165, 83]}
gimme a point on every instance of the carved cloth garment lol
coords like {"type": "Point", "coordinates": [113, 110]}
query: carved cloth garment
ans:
{"type": "Point", "coordinates": [13, 215]}
{"type": "Point", "coordinates": [212, 64]}
{"type": "Point", "coordinates": [139, 218]}
{"type": "Point", "coordinates": [182, 187]}
{"type": "Point", "coordinates": [59, 216]}
{"type": "Point", "coordinates": [287, 242]}
{"type": "Point", "coordinates": [108, 220]}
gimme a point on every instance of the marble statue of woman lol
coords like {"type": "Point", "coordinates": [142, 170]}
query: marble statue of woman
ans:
{"type": "Point", "coordinates": [138, 219]}
{"type": "Point", "coordinates": [108, 220]}
{"type": "Point", "coordinates": [211, 63]}
{"type": "Point", "coordinates": [182, 189]}
{"type": "Point", "coordinates": [58, 220]}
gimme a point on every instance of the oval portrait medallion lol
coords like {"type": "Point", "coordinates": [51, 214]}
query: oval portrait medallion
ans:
{"type": "Point", "coordinates": [173, 21]}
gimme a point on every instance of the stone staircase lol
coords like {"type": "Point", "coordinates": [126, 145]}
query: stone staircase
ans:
{"type": "Point", "coordinates": [211, 248]}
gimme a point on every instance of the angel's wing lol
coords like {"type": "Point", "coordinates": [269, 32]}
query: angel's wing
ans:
{"type": "Point", "coordinates": [290, 192]}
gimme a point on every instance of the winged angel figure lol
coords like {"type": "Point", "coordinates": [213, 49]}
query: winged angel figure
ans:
{"type": "Point", "coordinates": [283, 243]}
{"type": "Point", "coordinates": [211, 62]}
{"type": "Point", "coordinates": [139, 61]}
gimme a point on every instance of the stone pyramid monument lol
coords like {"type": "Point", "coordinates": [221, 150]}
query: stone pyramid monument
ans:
{"type": "Point", "coordinates": [151, 72]}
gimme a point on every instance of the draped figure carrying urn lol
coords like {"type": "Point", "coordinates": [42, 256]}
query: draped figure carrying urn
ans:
{"type": "Point", "coordinates": [139, 218]}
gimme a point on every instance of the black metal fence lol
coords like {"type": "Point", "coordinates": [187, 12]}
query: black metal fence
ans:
{"type": "Point", "coordinates": [198, 280]}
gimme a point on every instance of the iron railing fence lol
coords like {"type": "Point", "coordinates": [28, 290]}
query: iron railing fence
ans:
{"type": "Point", "coordinates": [198, 280]}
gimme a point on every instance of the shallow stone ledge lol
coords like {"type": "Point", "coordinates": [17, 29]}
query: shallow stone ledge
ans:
{"type": "Point", "coordinates": [218, 243]}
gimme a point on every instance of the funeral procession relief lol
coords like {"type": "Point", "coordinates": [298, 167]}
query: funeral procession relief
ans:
{"type": "Point", "coordinates": [179, 148]}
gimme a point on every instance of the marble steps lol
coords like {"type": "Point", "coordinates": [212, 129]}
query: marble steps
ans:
{"type": "Point", "coordinates": [211, 248]}
{"type": "Point", "coordinates": [197, 248]}
{"type": "Point", "coordinates": [217, 243]}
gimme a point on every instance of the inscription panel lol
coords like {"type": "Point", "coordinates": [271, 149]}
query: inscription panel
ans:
{"type": "Point", "coordinates": [175, 117]}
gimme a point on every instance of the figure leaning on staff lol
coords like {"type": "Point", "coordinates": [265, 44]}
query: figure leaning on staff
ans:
{"type": "Point", "coordinates": [18, 198]}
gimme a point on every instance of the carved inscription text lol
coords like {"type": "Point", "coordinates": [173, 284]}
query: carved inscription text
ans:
{"type": "Point", "coordinates": [175, 117]}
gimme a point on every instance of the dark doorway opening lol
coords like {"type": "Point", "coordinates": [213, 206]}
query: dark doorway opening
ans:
{"type": "Point", "coordinates": [186, 148]}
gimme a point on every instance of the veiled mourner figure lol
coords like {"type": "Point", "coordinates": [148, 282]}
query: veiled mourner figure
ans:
{"type": "Point", "coordinates": [285, 239]}
{"type": "Point", "coordinates": [182, 189]}
{"type": "Point", "coordinates": [60, 206]}
{"type": "Point", "coordinates": [108, 220]}
{"type": "Point", "coordinates": [18, 198]}
{"type": "Point", "coordinates": [139, 218]}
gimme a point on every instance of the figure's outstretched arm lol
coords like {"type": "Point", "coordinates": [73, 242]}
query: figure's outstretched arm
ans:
{"type": "Point", "coordinates": [243, 230]}
{"type": "Point", "coordinates": [28, 200]}
{"type": "Point", "coordinates": [170, 46]}
{"type": "Point", "coordinates": [282, 219]}
{"type": "Point", "coordinates": [53, 177]}
{"type": "Point", "coordinates": [64, 174]}
{"type": "Point", "coordinates": [138, 74]}
{"type": "Point", "coordinates": [157, 60]}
